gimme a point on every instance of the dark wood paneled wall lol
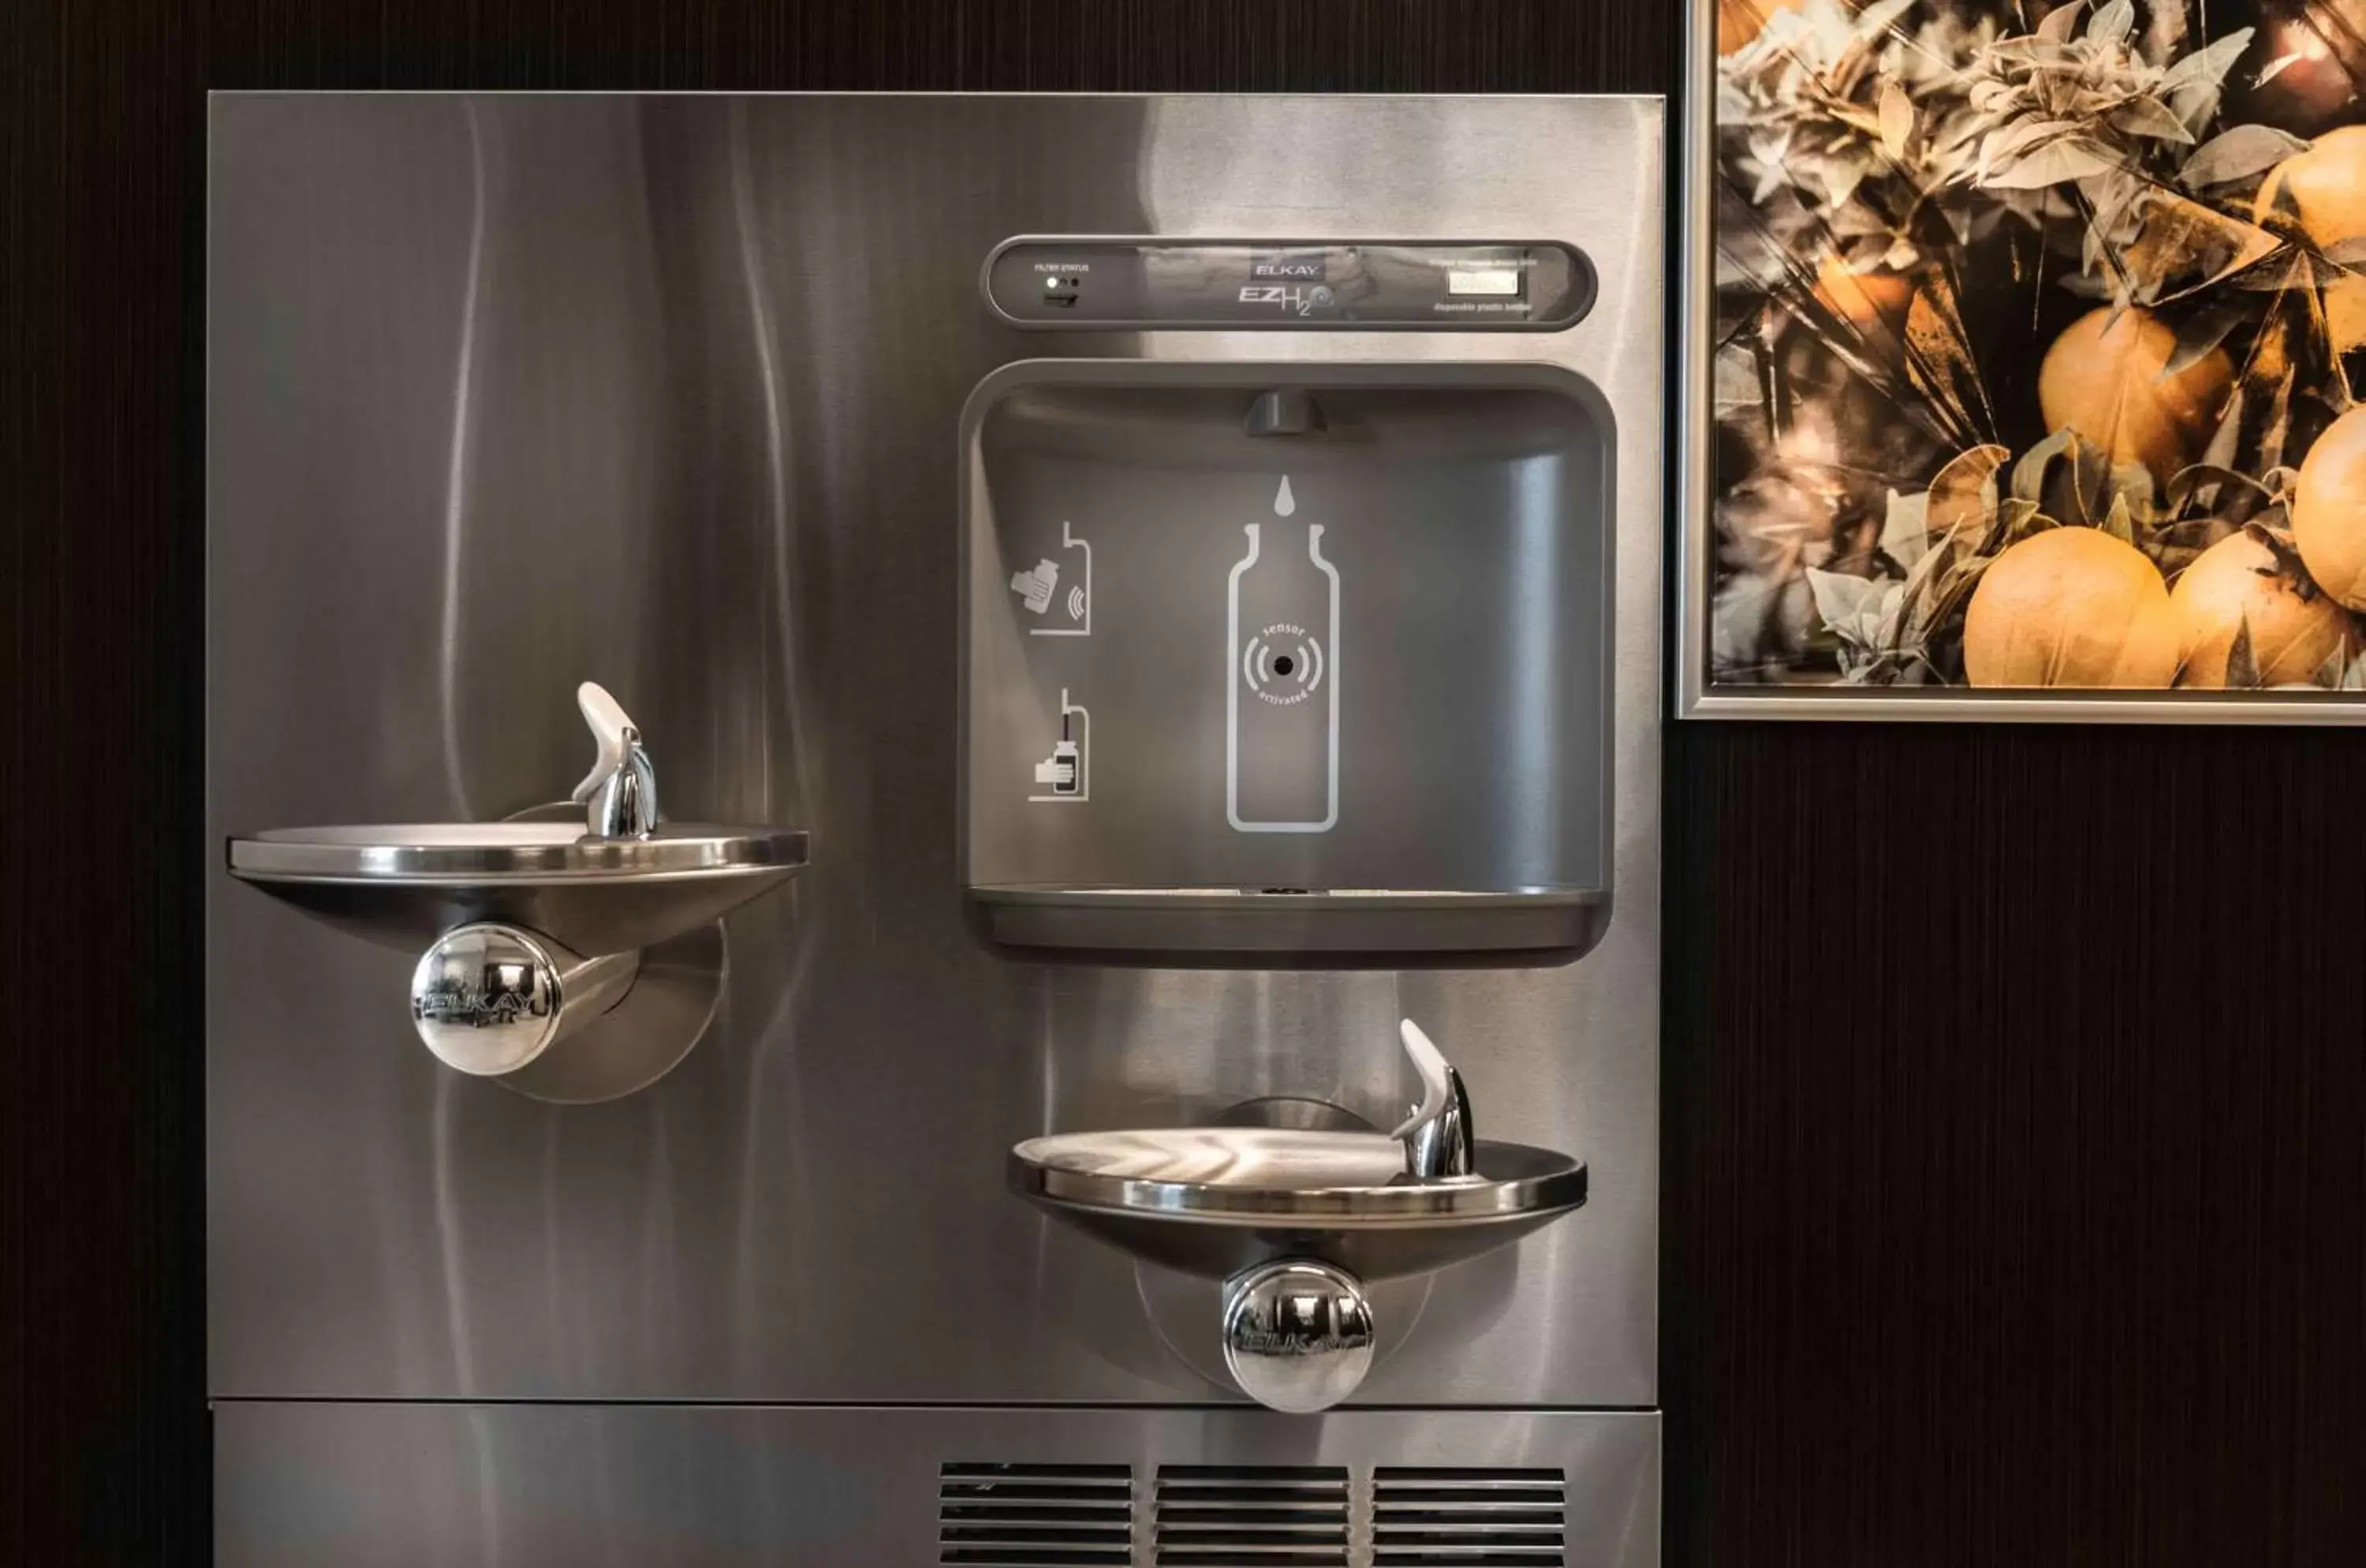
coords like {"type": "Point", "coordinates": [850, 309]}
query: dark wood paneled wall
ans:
{"type": "Point", "coordinates": [2016, 1147]}
{"type": "Point", "coordinates": [2016, 1103]}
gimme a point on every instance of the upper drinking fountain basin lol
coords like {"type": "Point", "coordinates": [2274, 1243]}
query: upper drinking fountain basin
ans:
{"type": "Point", "coordinates": [403, 883]}
{"type": "Point", "coordinates": [611, 875]}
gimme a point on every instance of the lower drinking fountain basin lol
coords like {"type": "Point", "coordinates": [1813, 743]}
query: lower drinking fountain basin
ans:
{"type": "Point", "coordinates": [1213, 1200]}
{"type": "Point", "coordinates": [1296, 1205]}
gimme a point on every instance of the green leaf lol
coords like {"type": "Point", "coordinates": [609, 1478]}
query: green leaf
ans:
{"type": "Point", "coordinates": [2242, 664]}
{"type": "Point", "coordinates": [2093, 485]}
{"type": "Point", "coordinates": [1897, 119]}
{"type": "Point", "coordinates": [2194, 82]}
{"type": "Point", "coordinates": [2224, 443]}
{"type": "Point", "coordinates": [2237, 155]}
{"type": "Point", "coordinates": [2061, 23]}
{"type": "Point", "coordinates": [2029, 474]}
{"type": "Point", "coordinates": [1961, 500]}
{"type": "Point", "coordinates": [1840, 175]}
{"type": "Point", "coordinates": [2116, 522]}
{"type": "Point", "coordinates": [2201, 333]}
{"type": "Point", "coordinates": [2111, 22]}
{"type": "Point", "coordinates": [2279, 425]}
{"type": "Point", "coordinates": [2017, 520]}
{"type": "Point", "coordinates": [2208, 67]}
{"type": "Point", "coordinates": [2000, 147]}
{"type": "Point", "coordinates": [2133, 482]}
{"type": "Point", "coordinates": [2150, 117]}
{"type": "Point", "coordinates": [1842, 600]}
{"type": "Point", "coordinates": [1905, 529]}
{"type": "Point", "coordinates": [2165, 30]}
{"type": "Point", "coordinates": [2072, 158]}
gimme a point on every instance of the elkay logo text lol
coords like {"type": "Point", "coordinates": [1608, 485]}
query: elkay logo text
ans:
{"type": "Point", "coordinates": [1281, 277]}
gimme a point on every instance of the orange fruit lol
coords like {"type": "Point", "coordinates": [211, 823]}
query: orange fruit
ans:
{"type": "Point", "coordinates": [2328, 187]}
{"type": "Point", "coordinates": [2070, 607]}
{"type": "Point", "coordinates": [2102, 378]}
{"type": "Point", "coordinates": [2237, 582]}
{"type": "Point", "coordinates": [2328, 510]}
{"type": "Point", "coordinates": [1739, 21]}
{"type": "Point", "coordinates": [2328, 183]}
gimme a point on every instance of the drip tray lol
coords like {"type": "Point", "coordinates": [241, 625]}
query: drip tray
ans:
{"type": "Point", "coordinates": [1390, 927]}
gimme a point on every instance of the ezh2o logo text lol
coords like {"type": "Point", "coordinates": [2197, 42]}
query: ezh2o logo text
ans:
{"type": "Point", "coordinates": [1292, 283]}
{"type": "Point", "coordinates": [1301, 300]}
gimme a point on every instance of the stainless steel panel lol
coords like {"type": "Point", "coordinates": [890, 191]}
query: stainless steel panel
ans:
{"type": "Point", "coordinates": [506, 393]}
{"type": "Point", "coordinates": [590, 1486]}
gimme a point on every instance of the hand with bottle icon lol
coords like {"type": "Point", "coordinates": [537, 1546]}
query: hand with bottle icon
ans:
{"type": "Point", "coordinates": [1034, 588]}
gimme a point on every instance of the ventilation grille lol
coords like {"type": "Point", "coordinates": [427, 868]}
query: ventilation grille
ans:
{"type": "Point", "coordinates": [1035, 1516]}
{"type": "Point", "coordinates": [1251, 1516]}
{"type": "Point", "coordinates": [1459, 1519]}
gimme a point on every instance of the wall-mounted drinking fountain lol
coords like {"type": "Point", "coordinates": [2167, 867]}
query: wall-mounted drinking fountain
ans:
{"type": "Point", "coordinates": [1296, 477]}
{"type": "Point", "coordinates": [573, 960]}
{"type": "Point", "coordinates": [1295, 1220]}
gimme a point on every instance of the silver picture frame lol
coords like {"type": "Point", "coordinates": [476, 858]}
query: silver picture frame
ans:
{"type": "Point", "coordinates": [1697, 696]}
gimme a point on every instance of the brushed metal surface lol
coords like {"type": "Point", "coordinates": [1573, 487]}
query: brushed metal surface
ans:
{"type": "Point", "coordinates": [506, 391]}
{"type": "Point", "coordinates": [599, 1486]}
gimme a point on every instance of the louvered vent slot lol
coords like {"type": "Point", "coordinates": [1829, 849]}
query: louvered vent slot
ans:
{"type": "Point", "coordinates": [1461, 1518]}
{"type": "Point", "coordinates": [1035, 1516]}
{"type": "Point", "coordinates": [1251, 1516]}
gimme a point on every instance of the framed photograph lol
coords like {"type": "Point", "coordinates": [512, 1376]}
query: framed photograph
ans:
{"type": "Point", "coordinates": [2024, 360]}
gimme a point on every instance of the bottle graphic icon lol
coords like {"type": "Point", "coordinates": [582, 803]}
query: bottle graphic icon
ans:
{"type": "Point", "coordinates": [1282, 707]}
{"type": "Point", "coordinates": [1060, 769]}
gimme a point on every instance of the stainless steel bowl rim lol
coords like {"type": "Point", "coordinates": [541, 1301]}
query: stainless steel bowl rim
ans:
{"type": "Point", "coordinates": [1552, 1184]}
{"type": "Point", "coordinates": [408, 854]}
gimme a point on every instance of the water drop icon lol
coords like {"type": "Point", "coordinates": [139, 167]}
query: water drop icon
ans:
{"type": "Point", "coordinates": [1284, 504]}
